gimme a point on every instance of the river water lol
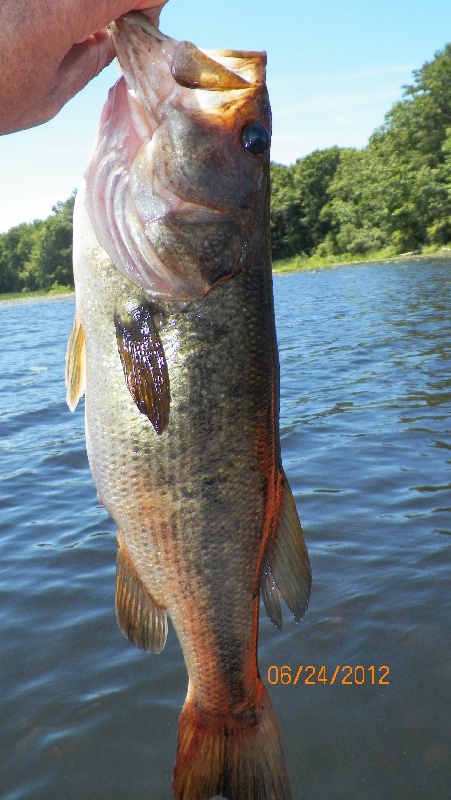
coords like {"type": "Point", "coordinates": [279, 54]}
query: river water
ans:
{"type": "Point", "coordinates": [366, 440]}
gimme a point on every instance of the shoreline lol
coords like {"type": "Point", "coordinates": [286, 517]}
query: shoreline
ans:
{"type": "Point", "coordinates": [299, 264]}
{"type": "Point", "coordinates": [295, 264]}
{"type": "Point", "coordinates": [34, 297]}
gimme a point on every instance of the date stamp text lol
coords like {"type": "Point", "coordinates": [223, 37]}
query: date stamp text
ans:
{"type": "Point", "coordinates": [344, 675]}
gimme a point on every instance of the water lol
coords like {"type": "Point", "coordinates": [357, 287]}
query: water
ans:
{"type": "Point", "coordinates": [366, 399]}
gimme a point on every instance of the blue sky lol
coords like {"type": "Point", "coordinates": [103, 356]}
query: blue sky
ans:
{"type": "Point", "coordinates": [334, 70]}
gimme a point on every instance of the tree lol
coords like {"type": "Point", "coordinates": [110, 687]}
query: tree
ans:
{"type": "Point", "coordinates": [298, 194]}
{"type": "Point", "coordinates": [50, 260]}
{"type": "Point", "coordinates": [15, 249]}
{"type": "Point", "coordinates": [287, 225]}
{"type": "Point", "coordinates": [414, 196]}
{"type": "Point", "coordinates": [38, 255]}
{"type": "Point", "coordinates": [312, 177]}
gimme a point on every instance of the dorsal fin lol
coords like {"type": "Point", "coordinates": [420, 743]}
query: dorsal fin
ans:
{"type": "Point", "coordinates": [139, 617]}
{"type": "Point", "coordinates": [144, 364]}
{"type": "Point", "coordinates": [286, 569]}
{"type": "Point", "coordinates": [75, 364]}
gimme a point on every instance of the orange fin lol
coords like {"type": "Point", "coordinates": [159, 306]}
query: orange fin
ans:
{"type": "Point", "coordinates": [140, 619]}
{"type": "Point", "coordinates": [144, 364]}
{"type": "Point", "coordinates": [286, 568]}
{"type": "Point", "coordinates": [75, 364]}
{"type": "Point", "coordinates": [237, 759]}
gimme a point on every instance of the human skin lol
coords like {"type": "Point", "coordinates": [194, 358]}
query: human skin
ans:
{"type": "Point", "coordinates": [50, 50]}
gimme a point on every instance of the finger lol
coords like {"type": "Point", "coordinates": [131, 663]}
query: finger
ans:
{"type": "Point", "coordinates": [96, 16]}
{"type": "Point", "coordinates": [82, 63]}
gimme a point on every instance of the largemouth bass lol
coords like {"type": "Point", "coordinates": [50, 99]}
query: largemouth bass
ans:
{"type": "Point", "coordinates": [174, 345]}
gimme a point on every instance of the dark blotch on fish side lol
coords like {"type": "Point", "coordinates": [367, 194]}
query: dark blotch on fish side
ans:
{"type": "Point", "coordinates": [144, 363]}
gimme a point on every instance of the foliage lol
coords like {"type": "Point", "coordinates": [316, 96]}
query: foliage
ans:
{"type": "Point", "coordinates": [298, 194]}
{"type": "Point", "coordinates": [394, 193]}
{"type": "Point", "coordinates": [288, 229]}
{"type": "Point", "coordinates": [38, 255]}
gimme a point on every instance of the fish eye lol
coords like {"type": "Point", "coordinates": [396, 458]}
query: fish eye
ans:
{"type": "Point", "coordinates": [255, 138]}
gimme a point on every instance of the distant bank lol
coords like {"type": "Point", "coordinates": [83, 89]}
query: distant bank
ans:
{"type": "Point", "coordinates": [40, 294]}
{"type": "Point", "coordinates": [301, 263]}
{"type": "Point", "coordinates": [294, 264]}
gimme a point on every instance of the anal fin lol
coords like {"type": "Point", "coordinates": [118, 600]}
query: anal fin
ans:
{"type": "Point", "coordinates": [75, 364]}
{"type": "Point", "coordinates": [144, 364]}
{"type": "Point", "coordinates": [286, 568]}
{"type": "Point", "coordinates": [139, 617]}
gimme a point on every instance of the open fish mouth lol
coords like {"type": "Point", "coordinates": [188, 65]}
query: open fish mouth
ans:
{"type": "Point", "coordinates": [162, 184]}
{"type": "Point", "coordinates": [191, 67]}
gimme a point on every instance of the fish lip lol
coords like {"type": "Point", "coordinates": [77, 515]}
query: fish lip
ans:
{"type": "Point", "coordinates": [143, 21]}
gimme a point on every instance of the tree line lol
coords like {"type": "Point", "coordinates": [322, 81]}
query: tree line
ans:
{"type": "Point", "coordinates": [394, 193]}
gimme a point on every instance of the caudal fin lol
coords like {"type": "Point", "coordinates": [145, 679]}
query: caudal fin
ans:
{"type": "Point", "coordinates": [235, 759]}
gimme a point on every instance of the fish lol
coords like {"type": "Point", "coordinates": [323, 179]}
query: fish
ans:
{"type": "Point", "coordinates": [174, 346]}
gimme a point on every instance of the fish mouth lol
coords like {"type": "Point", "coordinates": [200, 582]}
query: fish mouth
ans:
{"type": "Point", "coordinates": [166, 192]}
{"type": "Point", "coordinates": [191, 66]}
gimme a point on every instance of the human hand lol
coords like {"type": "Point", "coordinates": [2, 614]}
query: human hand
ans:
{"type": "Point", "coordinates": [50, 50]}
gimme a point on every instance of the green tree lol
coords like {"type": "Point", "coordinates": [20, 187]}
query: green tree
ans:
{"type": "Point", "coordinates": [411, 148]}
{"type": "Point", "coordinates": [287, 227]}
{"type": "Point", "coordinates": [416, 127]}
{"type": "Point", "coordinates": [396, 191]}
{"type": "Point", "coordinates": [50, 261]}
{"type": "Point", "coordinates": [15, 249]}
{"type": "Point", "coordinates": [298, 194]}
{"type": "Point", "coordinates": [312, 177]}
{"type": "Point", "coordinates": [351, 212]}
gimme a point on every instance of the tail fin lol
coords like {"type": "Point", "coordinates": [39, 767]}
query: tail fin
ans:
{"type": "Point", "coordinates": [235, 759]}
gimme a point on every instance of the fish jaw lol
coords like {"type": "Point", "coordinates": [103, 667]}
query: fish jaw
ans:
{"type": "Point", "coordinates": [171, 187]}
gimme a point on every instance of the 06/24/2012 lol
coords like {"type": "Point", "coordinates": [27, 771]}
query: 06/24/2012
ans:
{"type": "Point", "coordinates": [344, 675]}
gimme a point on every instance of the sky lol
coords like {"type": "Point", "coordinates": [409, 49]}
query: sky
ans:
{"type": "Point", "coordinates": [334, 70]}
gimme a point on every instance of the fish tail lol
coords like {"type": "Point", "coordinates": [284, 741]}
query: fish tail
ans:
{"type": "Point", "coordinates": [237, 758]}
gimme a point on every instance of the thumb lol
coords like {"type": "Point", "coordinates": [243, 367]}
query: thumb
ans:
{"type": "Point", "coordinates": [82, 63]}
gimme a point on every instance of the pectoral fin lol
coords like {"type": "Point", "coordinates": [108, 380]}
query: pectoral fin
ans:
{"type": "Point", "coordinates": [286, 570]}
{"type": "Point", "coordinates": [139, 617]}
{"type": "Point", "coordinates": [75, 364]}
{"type": "Point", "coordinates": [144, 364]}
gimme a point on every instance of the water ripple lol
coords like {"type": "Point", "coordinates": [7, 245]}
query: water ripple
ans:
{"type": "Point", "coordinates": [366, 440]}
